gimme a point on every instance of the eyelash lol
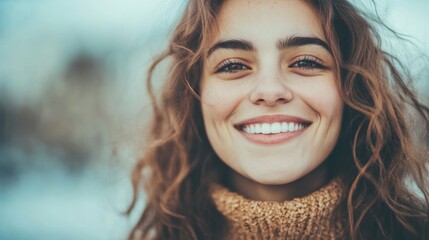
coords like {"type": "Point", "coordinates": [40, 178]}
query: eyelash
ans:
{"type": "Point", "coordinates": [310, 63]}
{"type": "Point", "coordinates": [223, 67]}
{"type": "Point", "coordinates": [305, 62]}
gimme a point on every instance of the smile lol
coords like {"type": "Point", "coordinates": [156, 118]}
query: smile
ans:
{"type": "Point", "coordinates": [273, 128]}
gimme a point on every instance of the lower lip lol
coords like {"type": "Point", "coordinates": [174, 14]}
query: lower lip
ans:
{"type": "Point", "coordinates": [269, 139]}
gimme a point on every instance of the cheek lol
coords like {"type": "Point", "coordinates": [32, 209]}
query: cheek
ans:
{"type": "Point", "coordinates": [218, 99]}
{"type": "Point", "coordinates": [325, 99]}
{"type": "Point", "coordinates": [330, 106]}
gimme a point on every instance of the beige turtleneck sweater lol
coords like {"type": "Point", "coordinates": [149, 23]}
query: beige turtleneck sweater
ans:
{"type": "Point", "coordinates": [307, 217]}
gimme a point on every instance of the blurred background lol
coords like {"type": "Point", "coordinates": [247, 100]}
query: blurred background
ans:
{"type": "Point", "coordinates": [73, 106]}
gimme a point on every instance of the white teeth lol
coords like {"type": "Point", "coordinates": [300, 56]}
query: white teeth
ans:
{"type": "Point", "coordinates": [257, 128]}
{"type": "Point", "coordinates": [266, 128]}
{"type": "Point", "coordinates": [291, 126]}
{"type": "Point", "coordinates": [285, 127]}
{"type": "Point", "coordinates": [273, 128]}
{"type": "Point", "coordinates": [276, 128]}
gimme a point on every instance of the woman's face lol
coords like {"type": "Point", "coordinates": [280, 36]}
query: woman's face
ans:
{"type": "Point", "coordinates": [271, 107]}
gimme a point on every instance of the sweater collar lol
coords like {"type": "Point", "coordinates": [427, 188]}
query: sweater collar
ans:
{"type": "Point", "coordinates": [308, 217]}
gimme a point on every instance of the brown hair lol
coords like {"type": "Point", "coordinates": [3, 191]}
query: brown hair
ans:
{"type": "Point", "coordinates": [376, 155]}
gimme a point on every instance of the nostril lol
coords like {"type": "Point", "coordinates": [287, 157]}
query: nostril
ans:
{"type": "Point", "coordinates": [281, 100]}
{"type": "Point", "coordinates": [271, 102]}
{"type": "Point", "coordinates": [260, 101]}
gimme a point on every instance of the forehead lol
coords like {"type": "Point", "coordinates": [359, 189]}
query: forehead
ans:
{"type": "Point", "coordinates": [268, 19]}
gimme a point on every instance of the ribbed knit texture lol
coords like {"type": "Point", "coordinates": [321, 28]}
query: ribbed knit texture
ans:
{"type": "Point", "coordinates": [307, 217]}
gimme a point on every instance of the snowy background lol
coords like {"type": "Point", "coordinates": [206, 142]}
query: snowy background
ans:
{"type": "Point", "coordinates": [73, 106]}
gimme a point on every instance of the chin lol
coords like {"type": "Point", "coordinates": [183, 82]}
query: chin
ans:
{"type": "Point", "coordinates": [274, 179]}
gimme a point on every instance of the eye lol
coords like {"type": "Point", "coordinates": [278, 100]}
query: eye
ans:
{"type": "Point", "coordinates": [231, 66]}
{"type": "Point", "coordinates": [308, 63]}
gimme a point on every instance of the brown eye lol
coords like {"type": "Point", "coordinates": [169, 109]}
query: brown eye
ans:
{"type": "Point", "coordinates": [231, 66]}
{"type": "Point", "coordinates": [308, 63]}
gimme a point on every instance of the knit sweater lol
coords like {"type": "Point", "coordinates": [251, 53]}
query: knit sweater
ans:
{"type": "Point", "coordinates": [306, 217]}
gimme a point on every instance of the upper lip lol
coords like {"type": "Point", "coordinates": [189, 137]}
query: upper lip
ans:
{"type": "Point", "coordinates": [272, 119]}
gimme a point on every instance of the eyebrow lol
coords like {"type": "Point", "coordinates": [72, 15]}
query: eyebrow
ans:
{"type": "Point", "coordinates": [293, 41]}
{"type": "Point", "coordinates": [236, 44]}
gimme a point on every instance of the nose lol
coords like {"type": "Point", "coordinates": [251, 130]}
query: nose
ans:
{"type": "Point", "coordinates": [271, 90]}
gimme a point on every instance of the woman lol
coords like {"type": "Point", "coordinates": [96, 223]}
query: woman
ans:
{"type": "Point", "coordinates": [281, 120]}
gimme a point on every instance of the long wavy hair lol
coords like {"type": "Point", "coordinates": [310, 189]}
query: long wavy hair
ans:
{"type": "Point", "coordinates": [381, 162]}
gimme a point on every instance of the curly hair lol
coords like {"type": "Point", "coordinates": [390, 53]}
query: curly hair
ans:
{"type": "Point", "coordinates": [377, 157]}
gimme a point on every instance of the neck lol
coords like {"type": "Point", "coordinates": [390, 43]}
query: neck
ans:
{"type": "Point", "coordinates": [283, 192]}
